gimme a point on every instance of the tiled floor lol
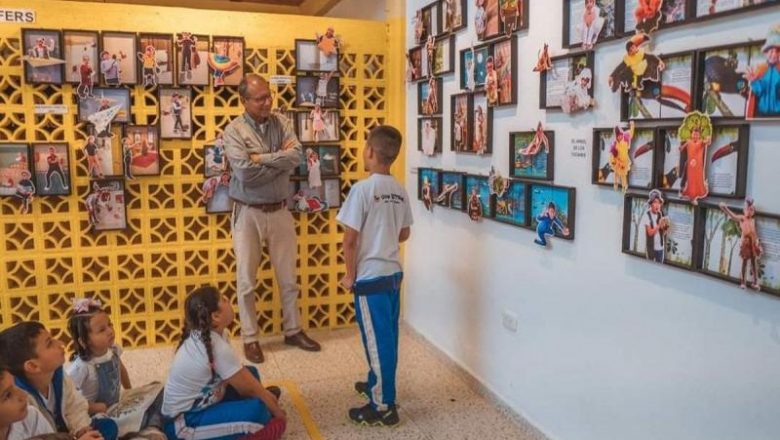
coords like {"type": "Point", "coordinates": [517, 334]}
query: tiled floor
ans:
{"type": "Point", "coordinates": [436, 401]}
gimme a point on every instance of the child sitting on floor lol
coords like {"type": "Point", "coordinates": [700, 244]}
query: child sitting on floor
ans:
{"type": "Point", "coordinates": [36, 359]}
{"type": "Point", "coordinates": [209, 394]}
{"type": "Point", "coordinates": [99, 374]}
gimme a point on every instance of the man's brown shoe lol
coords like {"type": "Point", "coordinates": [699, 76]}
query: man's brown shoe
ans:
{"type": "Point", "coordinates": [302, 341]}
{"type": "Point", "coordinates": [253, 352]}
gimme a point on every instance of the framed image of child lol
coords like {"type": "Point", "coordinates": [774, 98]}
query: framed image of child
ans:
{"type": "Point", "coordinates": [175, 113]}
{"type": "Point", "coordinates": [118, 58]}
{"type": "Point", "coordinates": [192, 54]}
{"type": "Point", "coordinates": [141, 150]}
{"type": "Point", "coordinates": [82, 59]}
{"type": "Point", "coordinates": [43, 56]}
{"type": "Point", "coordinates": [51, 164]}
{"type": "Point", "coordinates": [106, 204]}
{"type": "Point", "coordinates": [156, 59]}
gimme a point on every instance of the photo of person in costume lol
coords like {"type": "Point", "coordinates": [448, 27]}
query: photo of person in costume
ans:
{"type": "Point", "coordinates": [591, 24]}
{"type": "Point", "coordinates": [430, 136]}
{"type": "Point", "coordinates": [227, 61]}
{"type": "Point", "coordinates": [43, 56]}
{"type": "Point", "coordinates": [511, 14]}
{"type": "Point", "coordinates": [695, 135]}
{"type": "Point", "coordinates": [764, 98]}
{"type": "Point", "coordinates": [328, 43]}
{"type": "Point", "coordinates": [727, 87]}
{"type": "Point", "coordinates": [215, 161]}
{"type": "Point", "coordinates": [176, 119]}
{"type": "Point", "coordinates": [647, 15]}
{"type": "Point", "coordinates": [750, 249]}
{"type": "Point", "coordinates": [548, 224]}
{"type": "Point", "coordinates": [474, 206]}
{"type": "Point", "coordinates": [149, 66]}
{"type": "Point", "coordinates": [52, 169]}
{"type": "Point", "coordinates": [510, 207]}
{"type": "Point", "coordinates": [491, 82]}
{"type": "Point", "coordinates": [191, 63]}
{"type": "Point", "coordinates": [637, 66]}
{"type": "Point", "coordinates": [480, 19]}
{"type": "Point", "coordinates": [479, 145]}
{"type": "Point", "coordinates": [81, 60]}
{"type": "Point", "coordinates": [453, 15]}
{"type": "Point", "coordinates": [577, 94]}
{"type": "Point", "coordinates": [118, 58]}
{"type": "Point", "coordinates": [543, 62]}
{"type": "Point", "coordinates": [25, 191]}
{"type": "Point", "coordinates": [451, 192]}
{"type": "Point", "coordinates": [620, 157]}
{"type": "Point", "coordinates": [477, 189]}
{"type": "Point", "coordinates": [531, 152]}
{"type": "Point", "coordinates": [461, 134]}
{"type": "Point", "coordinates": [656, 227]}
{"type": "Point", "coordinates": [429, 96]}
{"type": "Point", "coordinates": [106, 204]}
{"type": "Point", "coordinates": [156, 59]}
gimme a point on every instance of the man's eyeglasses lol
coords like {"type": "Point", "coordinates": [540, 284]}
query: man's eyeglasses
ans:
{"type": "Point", "coordinates": [263, 98]}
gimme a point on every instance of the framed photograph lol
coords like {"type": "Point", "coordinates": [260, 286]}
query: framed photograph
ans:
{"type": "Point", "coordinates": [482, 125]}
{"type": "Point", "coordinates": [670, 98]}
{"type": "Point", "coordinates": [422, 25]}
{"type": "Point", "coordinates": [487, 22]}
{"type": "Point", "coordinates": [155, 59]}
{"type": "Point", "coordinates": [451, 194]}
{"type": "Point", "coordinates": [106, 204]}
{"type": "Point", "coordinates": [322, 89]}
{"type": "Point", "coordinates": [511, 207]}
{"type": "Point", "coordinates": [192, 55]}
{"type": "Point", "coordinates": [504, 64]}
{"type": "Point", "coordinates": [81, 59]}
{"type": "Point", "coordinates": [220, 202]}
{"type": "Point", "coordinates": [710, 9]}
{"type": "Point", "coordinates": [589, 22]}
{"type": "Point", "coordinates": [429, 95]}
{"type": "Point", "coordinates": [51, 165]}
{"type": "Point", "coordinates": [513, 15]}
{"type": "Point", "coordinates": [552, 212]}
{"type": "Point", "coordinates": [478, 186]}
{"type": "Point", "coordinates": [568, 86]}
{"type": "Point", "coordinates": [99, 106]}
{"type": "Point", "coordinates": [175, 113]}
{"type": "Point", "coordinates": [226, 60]}
{"type": "Point", "coordinates": [432, 19]}
{"type": "Point", "coordinates": [141, 151]}
{"type": "Point", "coordinates": [461, 114]}
{"type": "Point", "coordinates": [15, 166]}
{"type": "Point", "coordinates": [532, 154]}
{"type": "Point", "coordinates": [726, 166]}
{"type": "Point", "coordinates": [673, 12]}
{"type": "Point", "coordinates": [429, 136]}
{"type": "Point", "coordinates": [444, 56]}
{"type": "Point", "coordinates": [214, 160]}
{"type": "Point", "coordinates": [473, 66]}
{"type": "Point", "coordinates": [454, 15]}
{"type": "Point", "coordinates": [43, 56]}
{"type": "Point", "coordinates": [662, 231]}
{"type": "Point", "coordinates": [103, 152]}
{"type": "Point", "coordinates": [118, 58]}
{"type": "Point", "coordinates": [309, 58]}
{"type": "Point", "coordinates": [329, 192]}
{"type": "Point", "coordinates": [723, 90]}
{"type": "Point", "coordinates": [728, 253]}
{"type": "Point", "coordinates": [319, 126]}
{"type": "Point", "coordinates": [415, 60]}
{"type": "Point", "coordinates": [641, 153]}
{"type": "Point", "coordinates": [326, 157]}
{"type": "Point", "coordinates": [428, 180]}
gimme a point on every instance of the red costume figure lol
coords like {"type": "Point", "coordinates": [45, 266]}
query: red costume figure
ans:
{"type": "Point", "coordinates": [696, 181]}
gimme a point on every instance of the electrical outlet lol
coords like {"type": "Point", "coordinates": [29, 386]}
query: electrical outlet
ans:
{"type": "Point", "coordinates": [509, 320]}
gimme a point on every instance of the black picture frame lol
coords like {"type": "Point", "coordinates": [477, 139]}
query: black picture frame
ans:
{"type": "Point", "coordinates": [492, 21]}
{"type": "Point", "coordinates": [545, 80]}
{"type": "Point", "coordinates": [535, 205]}
{"type": "Point", "coordinates": [44, 74]}
{"type": "Point", "coordinates": [457, 101]}
{"type": "Point", "coordinates": [738, 10]}
{"type": "Point", "coordinates": [516, 165]}
{"type": "Point", "coordinates": [486, 199]}
{"type": "Point", "coordinates": [109, 152]}
{"type": "Point", "coordinates": [434, 176]}
{"type": "Point", "coordinates": [333, 170]}
{"type": "Point", "coordinates": [522, 23]}
{"type": "Point", "coordinates": [14, 166]}
{"type": "Point", "coordinates": [102, 183]}
{"type": "Point", "coordinates": [669, 97]}
{"type": "Point", "coordinates": [601, 170]}
{"type": "Point", "coordinates": [447, 45]}
{"type": "Point", "coordinates": [124, 116]}
{"type": "Point", "coordinates": [220, 202]}
{"type": "Point", "coordinates": [302, 127]}
{"type": "Point", "coordinates": [304, 47]}
{"type": "Point", "coordinates": [499, 47]}
{"type": "Point", "coordinates": [42, 177]}
{"type": "Point", "coordinates": [673, 13]}
{"type": "Point", "coordinates": [706, 237]}
{"type": "Point", "coordinates": [328, 183]}
{"type": "Point", "coordinates": [727, 84]}
{"type": "Point", "coordinates": [129, 55]}
{"type": "Point", "coordinates": [668, 179]}
{"type": "Point", "coordinates": [181, 78]}
{"type": "Point", "coordinates": [72, 64]}
{"type": "Point", "coordinates": [166, 134]}
{"type": "Point", "coordinates": [310, 84]}
{"type": "Point", "coordinates": [418, 68]}
{"type": "Point", "coordinates": [215, 170]}
{"type": "Point", "coordinates": [433, 10]}
{"type": "Point", "coordinates": [463, 6]}
{"type": "Point", "coordinates": [503, 208]}
{"type": "Point", "coordinates": [635, 210]}
{"type": "Point", "coordinates": [423, 109]}
{"type": "Point", "coordinates": [478, 98]}
{"type": "Point", "coordinates": [605, 33]}
{"type": "Point", "coordinates": [236, 74]}
{"type": "Point", "coordinates": [438, 141]}
{"type": "Point", "coordinates": [128, 130]}
{"type": "Point", "coordinates": [456, 200]}
{"type": "Point", "coordinates": [484, 50]}
{"type": "Point", "coordinates": [158, 38]}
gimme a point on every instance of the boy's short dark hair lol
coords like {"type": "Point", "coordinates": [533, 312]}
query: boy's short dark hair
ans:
{"type": "Point", "coordinates": [17, 345]}
{"type": "Point", "coordinates": [386, 142]}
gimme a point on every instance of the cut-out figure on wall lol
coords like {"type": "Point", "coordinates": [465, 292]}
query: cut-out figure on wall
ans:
{"type": "Point", "coordinates": [636, 67]}
{"type": "Point", "coordinates": [548, 223]}
{"type": "Point", "coordinates": [656, 225]}
{"type": "Point", "coordinates": [750, 249]}
{"type": "Point", "coordinates": [474, 206]}
{"type": "Point", "coordinates": [695, 135]}
{"type": "Point", "coordinates": [25, 191]}
{"type": "Point", "coordinates": [620, 157]}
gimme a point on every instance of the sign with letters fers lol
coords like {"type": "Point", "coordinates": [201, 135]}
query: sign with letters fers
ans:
{"type": "Point", "coordinates": [17, 15]}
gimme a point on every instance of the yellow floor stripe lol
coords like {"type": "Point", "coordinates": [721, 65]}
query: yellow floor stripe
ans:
{"type": "Point", "coordinates": [300, 406]}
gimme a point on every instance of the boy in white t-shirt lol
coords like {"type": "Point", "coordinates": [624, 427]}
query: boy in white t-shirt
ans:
{"type": "Point", "coordinates": [376, 218]}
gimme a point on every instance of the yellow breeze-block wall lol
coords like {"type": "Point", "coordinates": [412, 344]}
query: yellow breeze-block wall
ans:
{"type": "Point", "coordinates": [171, 245]}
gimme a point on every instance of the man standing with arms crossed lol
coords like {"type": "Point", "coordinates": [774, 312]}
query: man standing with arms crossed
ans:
{"type": "Point", "coordinates": [263, 150]}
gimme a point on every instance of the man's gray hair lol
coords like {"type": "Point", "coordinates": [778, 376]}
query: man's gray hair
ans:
{"type": "Point", "coordinates": [244, 84]}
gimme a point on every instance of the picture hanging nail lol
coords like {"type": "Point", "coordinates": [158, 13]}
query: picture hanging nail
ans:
{"type": "Point", "coordinates": [637, 66]}
{"type": "Point", "coordinates": [695, 136]}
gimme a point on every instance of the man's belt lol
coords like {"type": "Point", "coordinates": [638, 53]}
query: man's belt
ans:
{"type": "Point", "coordinates": [265, 207]}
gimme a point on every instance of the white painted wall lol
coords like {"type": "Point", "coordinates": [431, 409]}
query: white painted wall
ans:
{"type": "Point", "coordinates": [609, 346]}
{"type": "Point", "coordinates": [360, 9]}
